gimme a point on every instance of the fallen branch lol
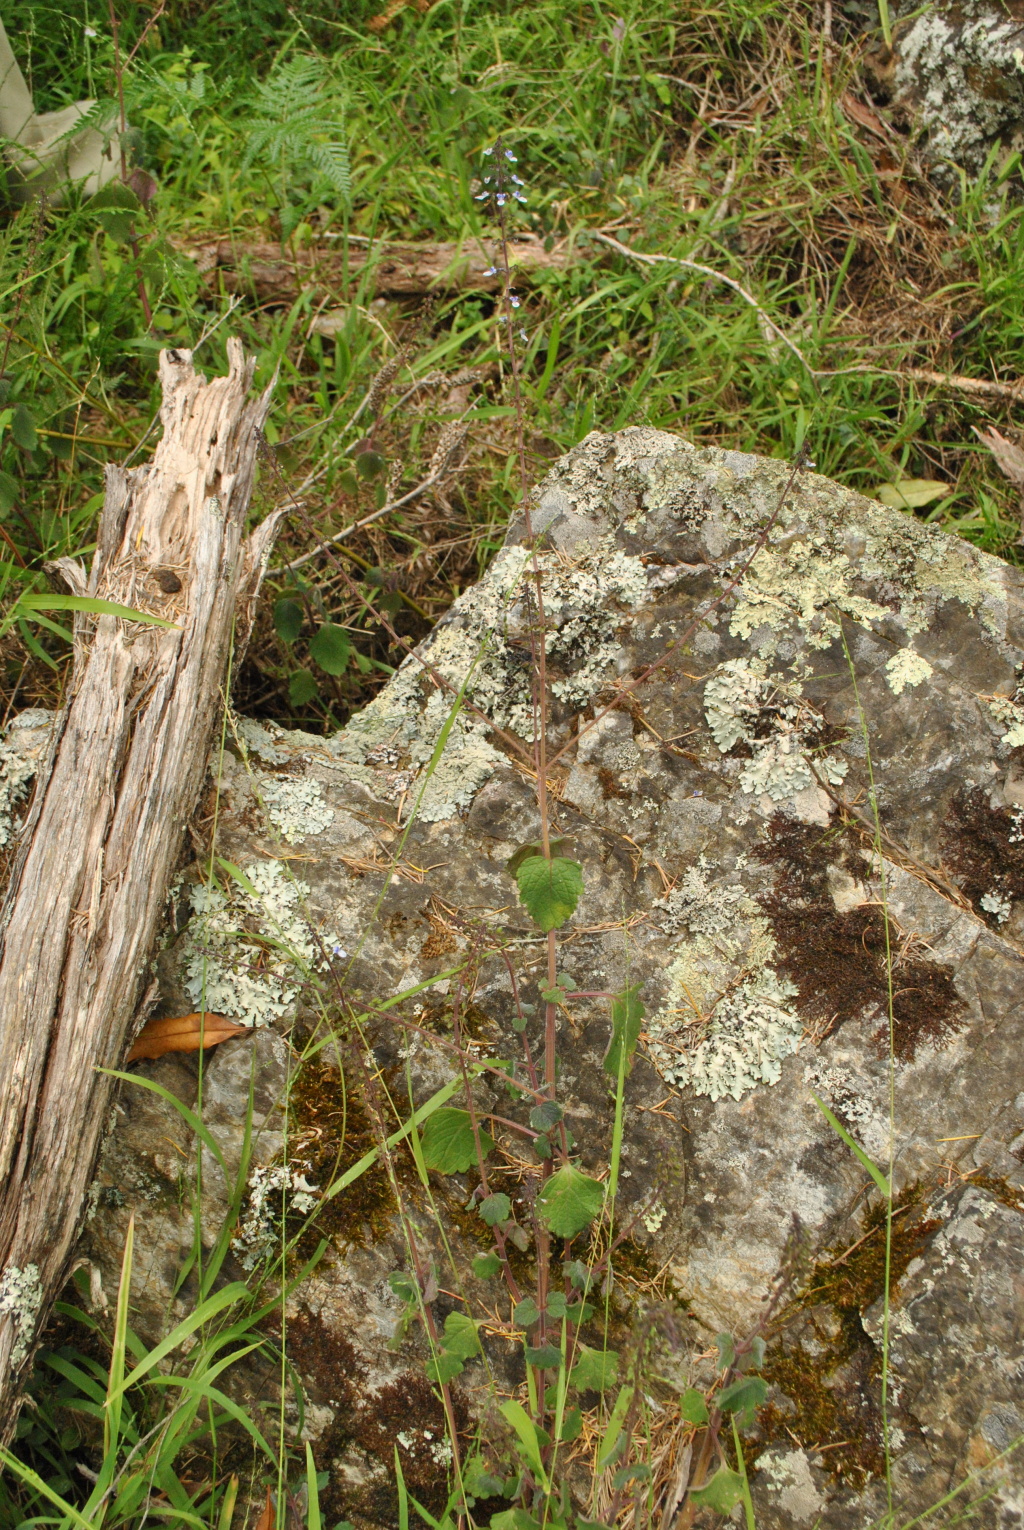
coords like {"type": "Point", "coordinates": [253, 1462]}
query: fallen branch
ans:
{"type": "Point", "coordinates": [127, 762]}
{"type": "Point", "coordinates": [396, 269]}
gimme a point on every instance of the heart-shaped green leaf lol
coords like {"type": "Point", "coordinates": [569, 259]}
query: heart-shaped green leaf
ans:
{"type": "Point", "coordinates": [550, 889]}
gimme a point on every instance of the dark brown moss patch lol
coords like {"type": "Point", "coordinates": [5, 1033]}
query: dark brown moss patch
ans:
{"type": "Point", "coordinates": [838, 1421]}
{"type": "Point", "coordinates": [332, 1130]}
{"type": "Point", "coordinates": [838, 960]}
{"type": "Point", "coordinates": [831, 1386]}
{"type": "Point", "coordinates": [404, 1412]}
{"type": "Point", "coordinates": [982, 852]}
{"type": "Point", "coordinates": [611, 786]}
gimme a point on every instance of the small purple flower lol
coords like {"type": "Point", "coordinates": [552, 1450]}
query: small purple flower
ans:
{"type": "Point", "coordinates": [513, 300]}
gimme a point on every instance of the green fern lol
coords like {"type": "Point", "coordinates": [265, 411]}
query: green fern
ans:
{"type": "Point", "coordinates": [290, 129]}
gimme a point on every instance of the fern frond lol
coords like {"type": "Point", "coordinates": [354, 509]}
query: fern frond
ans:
{"type": "Point", "coordinates": [332, 160]}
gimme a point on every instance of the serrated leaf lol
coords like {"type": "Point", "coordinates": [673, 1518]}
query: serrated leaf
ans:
{"type": "Point", "coordinates": [23, 429]}
{"type": "Point", "coordinates": [580, 1276]}
{"type": "Point", "coordinates": [478, 1480]}
{"type": "Point", "coordinates": [535, 847]}
{"type": "Point", "coordinates": [911, 493]}
{"type": "Point", "coordinates": [448, 1142]}
{"type": "Point", "coordinates": [514, 1519]}
{"type": "Point", "coordinates": [726, 1350]}
{"type": "Point", "coordinates": [545, 1356]}
{"type": "Point", "coordinates": [569, 1201]}
{"type": "Point", "coordinates": [692, 1407]}
{"type": "Point", "coordinates": [444, 1368]}
{"type": "Point", "coordinates": [330, 648]}
{"type": "Point", "coordinates": [546, 1115]}
{"type": "Point", "coordinates": [526, 1312]}
{"type": "Point", "coordinates": [460, 1336]}
{"type": "Point", "coordinates": [722, 1493]}
{"type": "Point", "coordinates": [596, 1370]}
{"type": "Point", "coordinates": [627, 1018]}
{"type": "Point", "coordinates": [302, 688]}
{"type": "Point", "coordinates": [486, 1265]}
{"type": "Point", "coordinates": [743, 1398]}
{"type": "Point", "coordinates": [550, 890]}
{"type": "Point", "coordinates": [402, 1285]}
{"type": "Point", "coordinates": [287, 619]}
{"type": "Point", "coordinates": [495, 1209]}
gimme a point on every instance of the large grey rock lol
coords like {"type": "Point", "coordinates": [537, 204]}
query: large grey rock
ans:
{"type": "Point", "coordinates": [722, 816]}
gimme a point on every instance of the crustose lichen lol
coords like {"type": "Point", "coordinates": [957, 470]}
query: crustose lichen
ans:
{"type": "Point", "coordinates": [21, 1296]}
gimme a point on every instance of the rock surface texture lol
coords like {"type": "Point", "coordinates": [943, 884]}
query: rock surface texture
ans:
{"type": "Point", "coordinates": [958, 75]}
{"type": "Point", "coordinates": [722, 814]}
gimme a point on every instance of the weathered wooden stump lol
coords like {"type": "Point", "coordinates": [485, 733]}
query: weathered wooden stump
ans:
{"type": "Point", "coordinates": [126, 765]}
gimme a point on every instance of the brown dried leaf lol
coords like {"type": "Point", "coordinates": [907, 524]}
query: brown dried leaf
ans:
{"type": "Point", "coordinates": [864, 116]}
{"type": "Point", "coordinates": [1009, 458]}
{"type": "Point", "coordinates": [268, 1518]}
{"type": "Point", "coordinates": [182, 1033]}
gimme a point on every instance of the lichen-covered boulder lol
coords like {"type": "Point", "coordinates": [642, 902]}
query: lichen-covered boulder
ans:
{"type": "Point", "coordinates": [722, 764]}
{"type": "Point", "coordinates": [957, 76]}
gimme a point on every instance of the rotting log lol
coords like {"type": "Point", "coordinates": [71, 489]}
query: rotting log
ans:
{"type": "Point", "coordinates": [277, 275]}
{"type": "Point", "coordinates": [126, 765]}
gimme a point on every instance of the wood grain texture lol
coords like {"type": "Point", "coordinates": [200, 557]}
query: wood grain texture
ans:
{"type": "Point", "coordinates": [127, 762]}
{"type": "Point", "coordinates": [276, 274]}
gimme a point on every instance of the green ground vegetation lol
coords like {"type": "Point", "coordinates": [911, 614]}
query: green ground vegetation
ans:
{"type": "Point", "coordinates": [815, 292]}
{"type": "Point", "coordinates": [729, 133]}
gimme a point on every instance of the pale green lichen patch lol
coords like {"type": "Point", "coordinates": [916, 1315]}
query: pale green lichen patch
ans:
{"type": "Point", "coordinates": [485, 646]}
{"type": "Point", "coordinates": [830, 553]}
{"type": "Point", "coordinates": [247, 952]}
{"type": "Point", "coordinates": [744, 704]}
{"type": "Point", "coordinates": [752, 1029]}
{"type": "Point", "coordinates": [1009, 713]}
{"type": "Point", "coordinates": [21, 1296]}
{"type": "Point", "coordinates": [295, 805]}
{"type": "Point", "coordinates": [957, 69]}
{"type": "Point", "coordinates": [727, 1022]}
{"type": "Point", "coordinates": [23, 745]}
{"type": "Point", "coordinates": [906, 668]}
{"type": "Point", "coordinates": [272, 1188]}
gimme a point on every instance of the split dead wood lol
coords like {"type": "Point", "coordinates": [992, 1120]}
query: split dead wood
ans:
{"type": "Point", "coordinates": [127, 762]}
{"type": "Point", "coordinates": [396, 269]}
